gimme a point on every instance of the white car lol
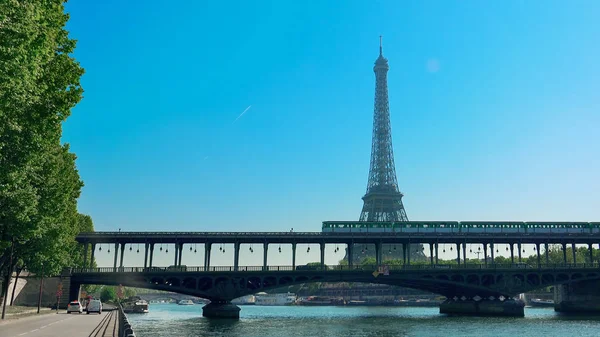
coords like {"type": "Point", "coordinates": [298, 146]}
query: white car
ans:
{"type": "Point", "coordinates": [94, 306]}
{"type": "Point", "coordinates": [74, 306]}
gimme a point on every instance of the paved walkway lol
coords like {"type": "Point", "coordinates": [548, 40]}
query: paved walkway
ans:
{"type": "Point", "coordinates": [63, 324]}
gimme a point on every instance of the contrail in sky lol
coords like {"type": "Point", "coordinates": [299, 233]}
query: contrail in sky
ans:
{"type": "Point", "coordinates": [243, 112]}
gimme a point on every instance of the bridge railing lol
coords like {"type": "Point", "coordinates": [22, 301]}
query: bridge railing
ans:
{"type": "Point", "coordinates": [337, 268]}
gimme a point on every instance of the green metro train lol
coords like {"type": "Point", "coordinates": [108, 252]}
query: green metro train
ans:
{"type": "Point", "coordinates": [459, 227]}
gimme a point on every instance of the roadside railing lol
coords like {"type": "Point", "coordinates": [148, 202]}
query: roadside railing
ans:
{"type": "Point", "coordinates": [338, 268]}
{"type": "Point", "coordinates": [125, 329]}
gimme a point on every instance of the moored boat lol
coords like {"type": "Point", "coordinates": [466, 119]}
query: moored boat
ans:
{"type": "Point", "coordinates": [185, 302]}
{"type": "Point", "coordinates": [135, 304]}
{"type": "Point", "coordinates": [263, 298]}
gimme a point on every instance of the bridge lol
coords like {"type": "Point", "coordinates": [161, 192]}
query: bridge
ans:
{"type": "Point", "coordinates": [485, 287]}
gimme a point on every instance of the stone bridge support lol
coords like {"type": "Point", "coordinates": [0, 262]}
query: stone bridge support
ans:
{"type": "Point", "coordinates": [482, 307]}
{"type": "Point", "coordinates": [577, 297]}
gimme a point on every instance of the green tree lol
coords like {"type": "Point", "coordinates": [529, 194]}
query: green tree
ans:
{"type": "Point", "coordinates": [108, 294]}
{"type": "Point", "coordinates": [39, 182]}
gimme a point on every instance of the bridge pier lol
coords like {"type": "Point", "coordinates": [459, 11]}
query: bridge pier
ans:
{"type": "Point", "coordinates": [483, 307]}
{"type": "Point", "coordinates": [577, 297]}
{"type": "Point", "coordinates": [221, 309]}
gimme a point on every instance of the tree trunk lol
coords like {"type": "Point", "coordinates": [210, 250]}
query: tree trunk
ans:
{"type": "Point", "coordinates": [12, 297]}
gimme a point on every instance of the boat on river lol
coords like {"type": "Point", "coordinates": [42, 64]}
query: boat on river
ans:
{"type": "Point", "coordinates": [263, 298]}
{"type": "Point", "coordinates": [185, 302]}
{"type": "Point", "coordinates": [135, 304]}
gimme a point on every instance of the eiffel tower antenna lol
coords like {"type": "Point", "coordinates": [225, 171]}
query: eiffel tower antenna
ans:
{"type": "Point", "coordinates": [383, 200]}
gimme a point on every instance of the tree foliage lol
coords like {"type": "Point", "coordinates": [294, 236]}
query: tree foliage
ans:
{"type": "Point", "coordinates": [39, 181]}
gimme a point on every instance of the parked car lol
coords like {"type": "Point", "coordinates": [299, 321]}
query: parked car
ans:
{"type": "Point", "coordinates": [74, 306]}
{"type": "Point", "coordinates": [94, 306]}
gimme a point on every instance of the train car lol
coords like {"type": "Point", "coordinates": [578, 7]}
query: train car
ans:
{"type": "Point", "coordinates": [492, 227]}
{"type": "Point", "coordinates": [558, 227]}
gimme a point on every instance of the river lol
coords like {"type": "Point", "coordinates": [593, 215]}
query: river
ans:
{"type": "Point", "coordinates": [170, 320]}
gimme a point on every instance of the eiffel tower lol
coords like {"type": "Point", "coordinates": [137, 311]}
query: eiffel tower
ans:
{"type": "Point", "coordinates": [383, 200]}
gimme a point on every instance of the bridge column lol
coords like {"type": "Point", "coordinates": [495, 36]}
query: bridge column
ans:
{"type": "Point", "coordinates": [236, 256]}
{"type": "Point", "coordinates": [349, 252]}
{"type": "Point", "coordinates": [122, 254]}
{"type": "Point", "coordinates": [546, 253]}
{"type": "Point", "coordinates": [539, 257]}
{"type": "Point", "coordinates": [431, 253]}
{"type": "Point", "coordinates": [93, 254]}
{"type": "Point", "coordinates": [85, 250]}
{"type": "Point", "coordinates": [485, 254]}
{"type": "Point", "coordinates": [436, 253]}
{"type": "Point", "coordinates": [465, 253]}
{"type": "Point", "coordinates": [404, 253]}
{"type": "Point", "coordinates": [180, 254]}
{"type": "Point", "coordinates": [564, 249]}
{"type": "Point", "coordinates": [145, 255]}
{"type": "Point", "coordinates": [151, 254]}
{"type": "Point", "coordinates": [294, 256]}
{"type": "Point", "coordinates": [116, 251]}
{"type": "Point", "coordinates": [574, 251]}
{"type": "Point", "coordinates": [265, 249]}
{"type": "Point", "coordinates": [519, 251]}
{"type": "Point", "coordinates": [176, 248]}
{"type": "Point", "coordinates": [322, 246]}
{"type": "Point", "coordinates": [378, 251]}
{"type": "Point", "coordinates": [407, 249]}
{"type": "Point", "coordinates": [207, 247]}
{"type": "Point", "coordinates": [492, 252]}
{"type": "Point", "coordinates": [512, 252]}
{"type": "Point", "coordinates": [458, 253]}
{"type": "Point", "coordinates": [591, 251]}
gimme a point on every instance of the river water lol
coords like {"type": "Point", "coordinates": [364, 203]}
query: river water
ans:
{"type": "Point", "coordinates": [170, 320]}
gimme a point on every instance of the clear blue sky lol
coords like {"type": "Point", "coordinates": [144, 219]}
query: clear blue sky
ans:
{"type": "Point", "coordinates": [494, 107]}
